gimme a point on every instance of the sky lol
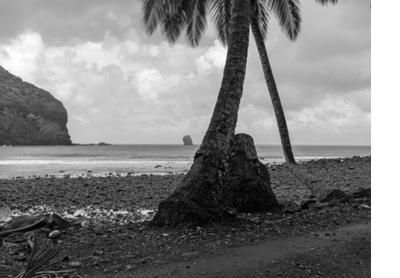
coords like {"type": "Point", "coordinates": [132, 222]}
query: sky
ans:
{"type": "Point", "coordinates": [121, 86]}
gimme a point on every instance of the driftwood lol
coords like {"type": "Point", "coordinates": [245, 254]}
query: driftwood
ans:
{"type": "Point", "coordinates": [26, 223]}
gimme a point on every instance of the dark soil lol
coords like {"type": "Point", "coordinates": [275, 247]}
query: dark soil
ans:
{"type": "Point", "coordinates": [342, 252]}
{"type": "Point", "coordinates": [112, 244]}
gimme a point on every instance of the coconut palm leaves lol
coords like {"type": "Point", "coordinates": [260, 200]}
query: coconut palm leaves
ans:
{"type": "Point", "coordinates": [197, 24]}
{"type": "Point", "coordinates": [174, 16]}
{"type": "Point", "coordinates": [261, 15]}
{"type": "Point", "coordinates": [326, 2]}
{"type": "Point", "coordinates": [288, 15]}
{"type": "Point", "coordinates": [221, 12]}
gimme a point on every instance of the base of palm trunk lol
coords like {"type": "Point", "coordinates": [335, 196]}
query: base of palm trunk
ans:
{"type": "Point", "coordinates": [247, 185]}
{"type": "Point", "coordinates": [209, 190]}
{"type": "Point", "coordinates": [176, 211]}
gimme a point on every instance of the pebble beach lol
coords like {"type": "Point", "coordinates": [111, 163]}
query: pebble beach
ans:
{"type": "Point", "coordinates": [125, 199]}
{"type": "Point", "coordinates": [110, 211]}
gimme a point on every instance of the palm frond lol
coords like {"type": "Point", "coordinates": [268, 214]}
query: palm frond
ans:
{"type": "Point", "coordinates": [8, 271]}
{"type": "Point", "coordinates": [288, 14]}
{"type": "Point", "coordinates": [262, 14]}
{"type": "Point", "coordinates": [175, 19]}
{"type": "Point", "coordinates": [221, 12]}
{"type": "Point", "coordinates": [42, 253]}
{"type": "Point", "coordinates": [326, 2]}
{"type": "Point", "coordinates": [153, 14]}
{"type": "Point", "coordinates": [197, 22]}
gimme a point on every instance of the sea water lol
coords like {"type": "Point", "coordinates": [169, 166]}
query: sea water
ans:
{"type": "Point", "coordinates": [79, 160]}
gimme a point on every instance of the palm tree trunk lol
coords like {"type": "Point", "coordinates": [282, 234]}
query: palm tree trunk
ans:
{"type": "Point", "coordinates": [195, 201]}
{"type": "Point", "coordinates": [316, 188]}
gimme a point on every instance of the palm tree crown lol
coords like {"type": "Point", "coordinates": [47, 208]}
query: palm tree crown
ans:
{"type": "Point", "coordinates": [175, 16]}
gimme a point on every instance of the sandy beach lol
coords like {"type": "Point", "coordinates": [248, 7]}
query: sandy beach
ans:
{"type": "Point", "coordinates": [110, 237]}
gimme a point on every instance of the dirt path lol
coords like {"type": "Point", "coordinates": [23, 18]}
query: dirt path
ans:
{"type": "Point", "coordinates": [342, 252]}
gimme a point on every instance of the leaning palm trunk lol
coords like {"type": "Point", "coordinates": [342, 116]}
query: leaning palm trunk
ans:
{"type": "Point", "coordinates": [195, 201]}
{"type": "Point", "coordinates": [318, 189]}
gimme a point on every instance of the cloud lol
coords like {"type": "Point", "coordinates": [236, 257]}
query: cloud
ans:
{"type": "Point", "coordinates": [334, 115]}
{"type": "Point", "coordinates": [214, 57]}
{"type": "Point", "coordinates": [129, 88]}
{"type": "Point", "coordinates": [123, 20]}
{"type": "Point", "coordinates": [363, 100]}
{"type": "Point", "coordinates": [148, 81]}
{"type": "Point", "coordinates": [59, 21]}
{"type": "Point", "coordinates": [80, 121]}
{"type": "Point", "coordinates": [23, 54]}
{"type": "Point", "coordinates": [113, 82]}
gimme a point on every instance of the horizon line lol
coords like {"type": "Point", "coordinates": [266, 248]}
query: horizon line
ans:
{"type": "Point", "coordinates": [175, 144]}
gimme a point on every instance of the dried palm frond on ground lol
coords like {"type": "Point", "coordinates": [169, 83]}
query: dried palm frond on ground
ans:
{"type": "Point", "coordinates": [41, 258]}
{"type": "Point", "coordinates": [8, 271]}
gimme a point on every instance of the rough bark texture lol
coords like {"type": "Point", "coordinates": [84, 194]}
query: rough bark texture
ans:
{"type": "Point", "coordinates": [195, 201]}
{"type": "Point", "coordinates": [316, 188]}
{"type": "Point", "coordinates": [247, 185]}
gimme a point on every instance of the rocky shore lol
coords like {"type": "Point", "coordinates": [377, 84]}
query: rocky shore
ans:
{"type": "Point", "coordinates": [109, 235]}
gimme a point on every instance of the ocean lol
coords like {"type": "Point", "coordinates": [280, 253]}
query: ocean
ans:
{"type": "Point", "coordinates": [84, 160]}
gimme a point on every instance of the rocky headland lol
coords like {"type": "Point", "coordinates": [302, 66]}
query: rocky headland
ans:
{"type": "Point", "coordinates": [30, 115]}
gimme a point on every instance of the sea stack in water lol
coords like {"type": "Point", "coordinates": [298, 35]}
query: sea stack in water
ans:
{"type": "Point", "coordinates": [30, 115]}
{"type": "Point", "coordinates": [187, 141]}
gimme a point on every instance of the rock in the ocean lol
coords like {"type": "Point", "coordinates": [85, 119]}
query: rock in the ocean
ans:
{"type": "Point", "coordinates": [187, 140]}
{"type": "Point", "coordinates": [29, 115]}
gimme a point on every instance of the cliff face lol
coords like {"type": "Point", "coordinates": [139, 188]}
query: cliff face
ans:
{"type": "Point", "coordinates": [29, 115]}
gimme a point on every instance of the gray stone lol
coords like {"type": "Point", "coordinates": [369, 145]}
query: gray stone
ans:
{"type": "Point", "coordinates": [55, 234]}
{"type": "Point", "coordinates": [187, 141]}
{"type": "Point", "coordinates": [290, 207]}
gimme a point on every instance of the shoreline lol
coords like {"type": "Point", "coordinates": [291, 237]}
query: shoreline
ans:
{"type": "Point", "coordinates": [167, 169]}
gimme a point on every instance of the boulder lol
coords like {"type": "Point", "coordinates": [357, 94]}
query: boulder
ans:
{"type": "Point", "coordinates": [187, 141]}
{"type": "Point", "coordinates": [30, 115]}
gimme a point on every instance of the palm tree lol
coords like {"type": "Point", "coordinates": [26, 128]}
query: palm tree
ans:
{"type": "Point", "coordinates": [173, 17]}
{"type": "Point", "coordinates": [289, 18]}
{"type": "Point", "coordinates": [191, 14]}
{"type": "Point", "coordinates": [196, 200]}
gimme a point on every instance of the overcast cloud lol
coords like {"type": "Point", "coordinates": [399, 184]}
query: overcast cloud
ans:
{"type": "Point", "coordinates": [120, 86]}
